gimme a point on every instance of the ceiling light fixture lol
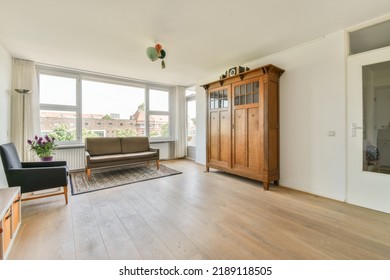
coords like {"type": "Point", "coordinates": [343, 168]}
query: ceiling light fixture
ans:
{"type": "Point", "coordinates": [155, 53]}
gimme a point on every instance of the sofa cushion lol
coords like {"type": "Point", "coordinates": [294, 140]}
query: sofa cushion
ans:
{"type": "Point", "coordinates": [135, 144]}
{"type": "Point", "coordinates": [122, 157]}
{"type": "Point", "coordinates": [103, 146]}
{"type": "Point", "coordinates": [141, 155]}
{"type": "Point", "coordinates": [107, 158]}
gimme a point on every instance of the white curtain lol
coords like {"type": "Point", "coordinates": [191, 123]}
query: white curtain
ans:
{"type": "Point", "coordinates": [25, 123]}
{"type": "Point", "coordinates": [180, 122]}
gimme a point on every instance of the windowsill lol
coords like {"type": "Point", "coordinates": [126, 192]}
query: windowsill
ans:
{"type": "Point", "coordinates": [161, 141]}
{"type": "Point", "coordinates": [82, 145]}
{"type": "Point", "coordinates": [70, 146]}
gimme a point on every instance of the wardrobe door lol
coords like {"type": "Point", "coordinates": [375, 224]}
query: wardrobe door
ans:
{"type": "Point", "coordinates": [225, 141]}
{"type": "Point", "coordinates": [255, 141]}
{"type": "Point", "coordinates": [247, 129]}
{"type": "Point", "coordinates": [219, 127]}
{"type": "Point", "coordinates": [240, 138]}
{"type": "Point", "coordinates": [214, 138]}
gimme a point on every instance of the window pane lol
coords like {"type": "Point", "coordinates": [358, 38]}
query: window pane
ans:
{"type": "Point", "coordinates": [159, 126]}
{"type": "Point", "coordinates": [212, 100]}
{"type": "Point", "coordinates": [191, 123]}
{"type": "Point", "coordinates": [57, 90]}
{"type": "Point", "coordinates": [112, 110]}
{"type": "Point", "coordinates": [158, 100]}
{"type": "Point", "coordinates": [190, 91]}
{"type": "Point", "coordinates": [59, 124]}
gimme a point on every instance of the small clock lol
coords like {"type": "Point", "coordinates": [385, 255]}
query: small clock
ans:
{"type": "Point", "coordinates": [232, 71]}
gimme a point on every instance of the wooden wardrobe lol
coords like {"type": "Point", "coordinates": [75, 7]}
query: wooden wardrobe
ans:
{"type": "Point", "coordinates": [243, 124]}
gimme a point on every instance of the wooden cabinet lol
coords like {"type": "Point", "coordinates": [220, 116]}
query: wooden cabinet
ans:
{"type": "Point", "coordinates": [243, 124]}
{"type": "Point", "coordinates": [10, 218]}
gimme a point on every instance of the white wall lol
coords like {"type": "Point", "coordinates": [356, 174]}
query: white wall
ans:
{"type": "Point", "coordinates": [5, 103]}
{"type": "Point", "coordinates": [312, 103]}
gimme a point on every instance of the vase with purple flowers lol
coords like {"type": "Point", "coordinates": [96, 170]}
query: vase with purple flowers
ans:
{"type": "Point", "coordinates": [43, 147]}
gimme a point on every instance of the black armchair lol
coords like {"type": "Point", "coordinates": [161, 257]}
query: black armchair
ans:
{"type": "Point", "coordinates": [33, 176]}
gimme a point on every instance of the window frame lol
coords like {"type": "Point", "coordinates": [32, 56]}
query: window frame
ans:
{"type": "Point", "coordinates": [81, 75]}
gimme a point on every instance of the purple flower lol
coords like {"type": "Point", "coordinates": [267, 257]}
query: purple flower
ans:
{"type": "Point", "coordinates": [29, 142]}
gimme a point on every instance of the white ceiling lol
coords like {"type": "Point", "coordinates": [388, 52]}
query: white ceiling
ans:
{"type": "Point", "coordinates": [202, 38]}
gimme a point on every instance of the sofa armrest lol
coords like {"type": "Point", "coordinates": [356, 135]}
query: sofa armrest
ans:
{"type": "Point", "coordinates": [87, 158]}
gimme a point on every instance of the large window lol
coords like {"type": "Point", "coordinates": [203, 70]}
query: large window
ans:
{"type": "Point", "coordinates": [112, 110]}
{"type": "Point", "coordinates": [58, 99]}
{"type": "Point", "coordinates": [159, 113]}
{"type": "Point", "coordinates": [57, 90]}
{"type": "Point", "coordinates": [191, 122]}
{"type": "Point", "coordinates": [76, 105]}
{"type": "Point", "coordinates": [191, 117]}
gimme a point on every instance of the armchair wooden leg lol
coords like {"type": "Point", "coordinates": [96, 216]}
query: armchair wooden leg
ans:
{"type": "Point", "coordinates": [58, 192]}
{"type": "Point", "coordinates": [158, 164]}
{"type": "Point", "coordinates": [66, 194]}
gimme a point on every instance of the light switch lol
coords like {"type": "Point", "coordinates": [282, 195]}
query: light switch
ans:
{"type": "Point", "coordinates": [331, 133]}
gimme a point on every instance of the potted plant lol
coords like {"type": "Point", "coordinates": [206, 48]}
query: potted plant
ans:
{"type": "Point", "coordinates": [43, 147]}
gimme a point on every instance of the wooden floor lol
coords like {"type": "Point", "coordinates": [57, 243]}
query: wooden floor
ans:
{"type": "Point", "coordinates": [198, 215]}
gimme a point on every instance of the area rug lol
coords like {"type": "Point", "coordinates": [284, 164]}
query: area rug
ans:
{"type": "Point", "coordinates": [118, 176]}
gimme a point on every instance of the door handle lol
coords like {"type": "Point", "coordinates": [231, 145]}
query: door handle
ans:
{"type": "Point", "coordinates": [354, 127]}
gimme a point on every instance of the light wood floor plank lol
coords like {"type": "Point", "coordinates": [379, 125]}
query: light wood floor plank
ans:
{"type": "Point", "coordinates": [198, 215]}
{"type": "Point", "coordinates": [180, 246]}
{"type": "Point", "coordinates": [88, 240]}
{"type": "Point", "coordinates": [223, 246]}
{"type": "Point", "coordinates": [46, 232]}
{"type": "Point", "coordinates": [118, 243]}
{"type": "Point", "coordinates": [145, 239]}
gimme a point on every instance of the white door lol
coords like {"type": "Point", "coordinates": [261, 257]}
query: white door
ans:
{"type": "Point", "coordinates": [368, 185]}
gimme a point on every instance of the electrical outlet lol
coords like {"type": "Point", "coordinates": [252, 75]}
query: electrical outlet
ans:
{"type": "Point", "coordinates": [331, 133]}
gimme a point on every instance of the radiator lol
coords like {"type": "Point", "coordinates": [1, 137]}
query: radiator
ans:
{"type": "Point", "coordinates": [74, 157]}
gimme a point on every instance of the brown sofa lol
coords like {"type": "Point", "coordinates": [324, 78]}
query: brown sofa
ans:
{"type": "Point", "coordinates": [101, 152]}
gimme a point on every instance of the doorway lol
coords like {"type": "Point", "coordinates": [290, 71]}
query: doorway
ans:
{"type": "Point", "coordinates": [368, 121]}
